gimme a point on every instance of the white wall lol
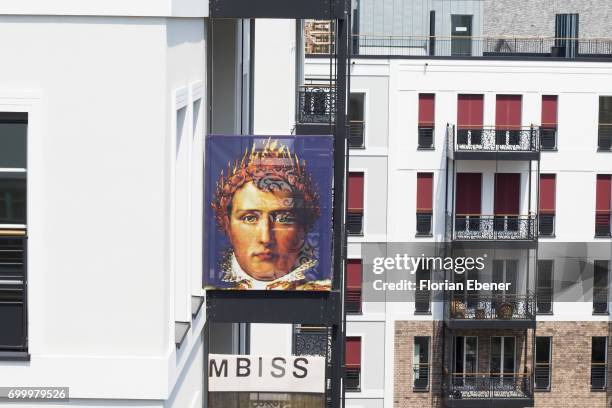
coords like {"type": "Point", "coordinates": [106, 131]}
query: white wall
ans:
{"type": "Point", "coordinates": [100, 300]}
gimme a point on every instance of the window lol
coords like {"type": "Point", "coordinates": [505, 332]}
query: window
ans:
{"type": "Point", "coordinates": [470, 110]}
{"type": "Point", "coordinates": [548, 134]}
{"type": "Point", "coordinates": [600, 287]}
{"type": "Point", "coordinates": [13, 231]}
{"type": "Point", "coordinates": [547, 204]}
{"type": "Point", "coordinates": [354, 221]}
{"type": "Point", "coordinates": [599, 360]}
{"type": "Point", "coordinates": [508, 120]}
{"type": "Point", "coordinates": [466, 357]}
{"type": "Point", "coordinates": [426, 121]}
{"type": "Point", "coordinates": [354, 270]}
{"type": "Point", "coordinates": [602, 208]}
{"type": "Point", "coordinates": [566, 35]}
{"type": "Point", "coordinates": [424, 203]}
{"type": "Point", "coordinates": [503, 356]}
{"type": "Point", "coordinates": [422, 297]}
{"type": "Point", "coordinates": [468, 202]}
{"type": "Point", "coordinates": [542, 362]}
{"type": "Point", "coordinates": [356, 121]}
{"type": "Point", "coordinates": [544, 286]}
{"type": "Point", "coordinates": [605, 123]}
{"type": "Point", "coordinates": [507, 201]}
{"type": "Point", "coordinates": [420, 362]}
{"type": "Point", "coordinates": [353, 364]}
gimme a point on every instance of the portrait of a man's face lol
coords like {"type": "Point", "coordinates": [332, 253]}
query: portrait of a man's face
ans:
{"type": "Point", "coordinates": [267, 206]}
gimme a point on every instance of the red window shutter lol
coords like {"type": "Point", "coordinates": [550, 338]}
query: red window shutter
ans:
{"type": "Point", "coordinates": [508, 112]}
{"type": "Point", "coordinates": [507, 193]}
{"type": "Point", "coordinates": [547, 193]}
{"type": "Point", "coordinates": [354, 274]}
{"type": "Point", "coordinates": [355, 192]}
{"type": "Point", "coordinates": [549, 111]}
{"type": "Point", "coordinates": [426, 109]}
{"type": "Point", "coordinates": [470, 111]}
{"type": "Point", "coordinates": [424, 192]}
{"type": "Point", "coordinates": [469, 190]}
{"type": "Point", "coordinates": [604, 193]}
{"type": "Point", "coordinates": [353, 352]}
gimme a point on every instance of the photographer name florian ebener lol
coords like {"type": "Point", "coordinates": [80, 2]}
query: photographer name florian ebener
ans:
{"type": "Point", "coordinates": [411, 264]}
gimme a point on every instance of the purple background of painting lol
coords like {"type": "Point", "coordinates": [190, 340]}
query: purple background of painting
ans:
{"type": "Point", "coordinates": [317, 151]}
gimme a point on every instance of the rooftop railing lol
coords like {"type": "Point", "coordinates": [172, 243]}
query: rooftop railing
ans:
{"type": "Point", "coordinates": [319, 42]}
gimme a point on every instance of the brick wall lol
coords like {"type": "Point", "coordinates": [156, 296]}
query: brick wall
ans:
{"type": "Point", "coordinates": [536, 18]}
{"type": "Point", "coordinates": [571, 365]}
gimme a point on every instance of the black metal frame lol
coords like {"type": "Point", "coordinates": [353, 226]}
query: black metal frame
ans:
{"type": "Point", "coordinates": [322, 308]}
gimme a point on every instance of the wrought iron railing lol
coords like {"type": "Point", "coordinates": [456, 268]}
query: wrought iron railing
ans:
{"type": "Point", "coordinates": [356, 139]}
{"type": "Point", "coordinates": [316, 104]}
{"type": "Point", "coordinates": [507, 227]}
{"type": "Point", "coordinates": [496, 139]}
{"type": "Point", "coordinates": [311, 341]}
{"type": "Point", "coordinates": [466, 386]}
{"type": "Point", "coordinates": [13, 332]}
{"type": "Point", "coordinates": [491, 307]}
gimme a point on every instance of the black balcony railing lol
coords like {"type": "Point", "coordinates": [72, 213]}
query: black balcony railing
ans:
{"type": "Point", "coordinates": [492, 139]}
{"type": "Point", "coordinates": [353, 300]}
{"type": "Point", "coordinates": [423, 224]}
{"type": "Point", "coordinates": [420, 374]}
{"type": "Point", "coordinates": [546, 225]}
{"type": "Point", "coordinates": [465, 47]}
{"type": "Point", "coordinates": [311, 341]}
{"type": "Point", "coordinates": [491, 307]}
{"type": "Point", "coordinates": [354, 223]}
{"type": "Point", "coordinates": [604, 137]}
{"type": "Point", "coordinates": [599, 376]}
{"type": "Point", "coordinates": [494, 227]}
{"type": "Point", "coordinates": [548, 138]}
{"type": "Point", "coordinates": [356, 138]}
{"type": "Point", "coordinates": [425, 139]}
{"type": "Point", "coordinates": [13, 331]}
{"type": "Point", "coordinates": [489, 386]}
{"type": "Point", "coordinates": [317, 104]}
{"type": "Point", "coordinates": [603, 222]}
{"type": "Point", "coordinates": [353, 379]}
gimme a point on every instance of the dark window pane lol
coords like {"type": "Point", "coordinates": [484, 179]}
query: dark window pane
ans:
{"type": "Point", "coordinates": [422, 297]}
{"type": "Point", "coordinates": [600, 287]}
{"type": "Point", "coordinates": [13, 137]}
{"type": "Point", "coordinates": [542, 350]}
{"type": "Point", "coordinates": [542, 363]}
{"type": "Point", "coordinates": [12, 198]}
{"type": "Point", "coordinates": [599, 350]}
{"type": "Point", "coordinates": [544, 286]}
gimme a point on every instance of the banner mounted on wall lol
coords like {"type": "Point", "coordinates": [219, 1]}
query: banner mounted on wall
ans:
{"type": "Point", "coordinates": [249, 373]}
{"type": "Point", "coordinates": [268, 223]}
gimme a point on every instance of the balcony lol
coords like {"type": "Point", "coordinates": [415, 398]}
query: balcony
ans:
{"type": "Point", "coordinates": [495, 143]}
{"type": "Point", "coordinates": [491, 311]}
{"type": "Point", "coordinates": [316, 104]}
{"type": "Point", "coordinates": [507, 227]}
{"type": "Point", "coordinates": [475, 390]}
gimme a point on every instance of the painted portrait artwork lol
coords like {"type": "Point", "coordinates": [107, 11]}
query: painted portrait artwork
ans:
{"type": "Point", "coordinates": [268, 223]}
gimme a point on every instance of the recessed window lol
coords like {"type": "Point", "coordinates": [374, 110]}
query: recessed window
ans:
{"type": "Point", "coordinates": [548, 183]}
{"type": "Point", "coordinates": [601, 270]}
{"type": "Point", "coordinates": [542, 362]}
{"type": "Point", "coordinates": [604, 139]}
{"type": "Point", "coordinates": [599, 363]}
{"type": "Point", "coordinates": [544, 286]}
{"type": "Point", "coordinates": [548, 130]}
{"type": "Point", "coordinates": [422, 301]}
{"type": "Point", "coordinates": [426, 121]}
{"type": "Point", "coordinates": [13, 231]}
{"type": "Point", "coordinates": [424, 195]}
{"type": "Point", "coordinates": [420, 361]}
{"type": "Point", "coordinates": [353, 364]}
{"type": "Point", "coordinates": [356, 139]}
{"type": "Point", "coordinates": [354, 282]}
{"type": "Point", "coordinates": [603, 197]}
{"type": "Point", "coordinates": [354, 218]}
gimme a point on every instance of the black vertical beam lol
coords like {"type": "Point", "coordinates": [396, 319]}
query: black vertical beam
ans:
{"type": "Point", "coordinates": [340, 174]}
